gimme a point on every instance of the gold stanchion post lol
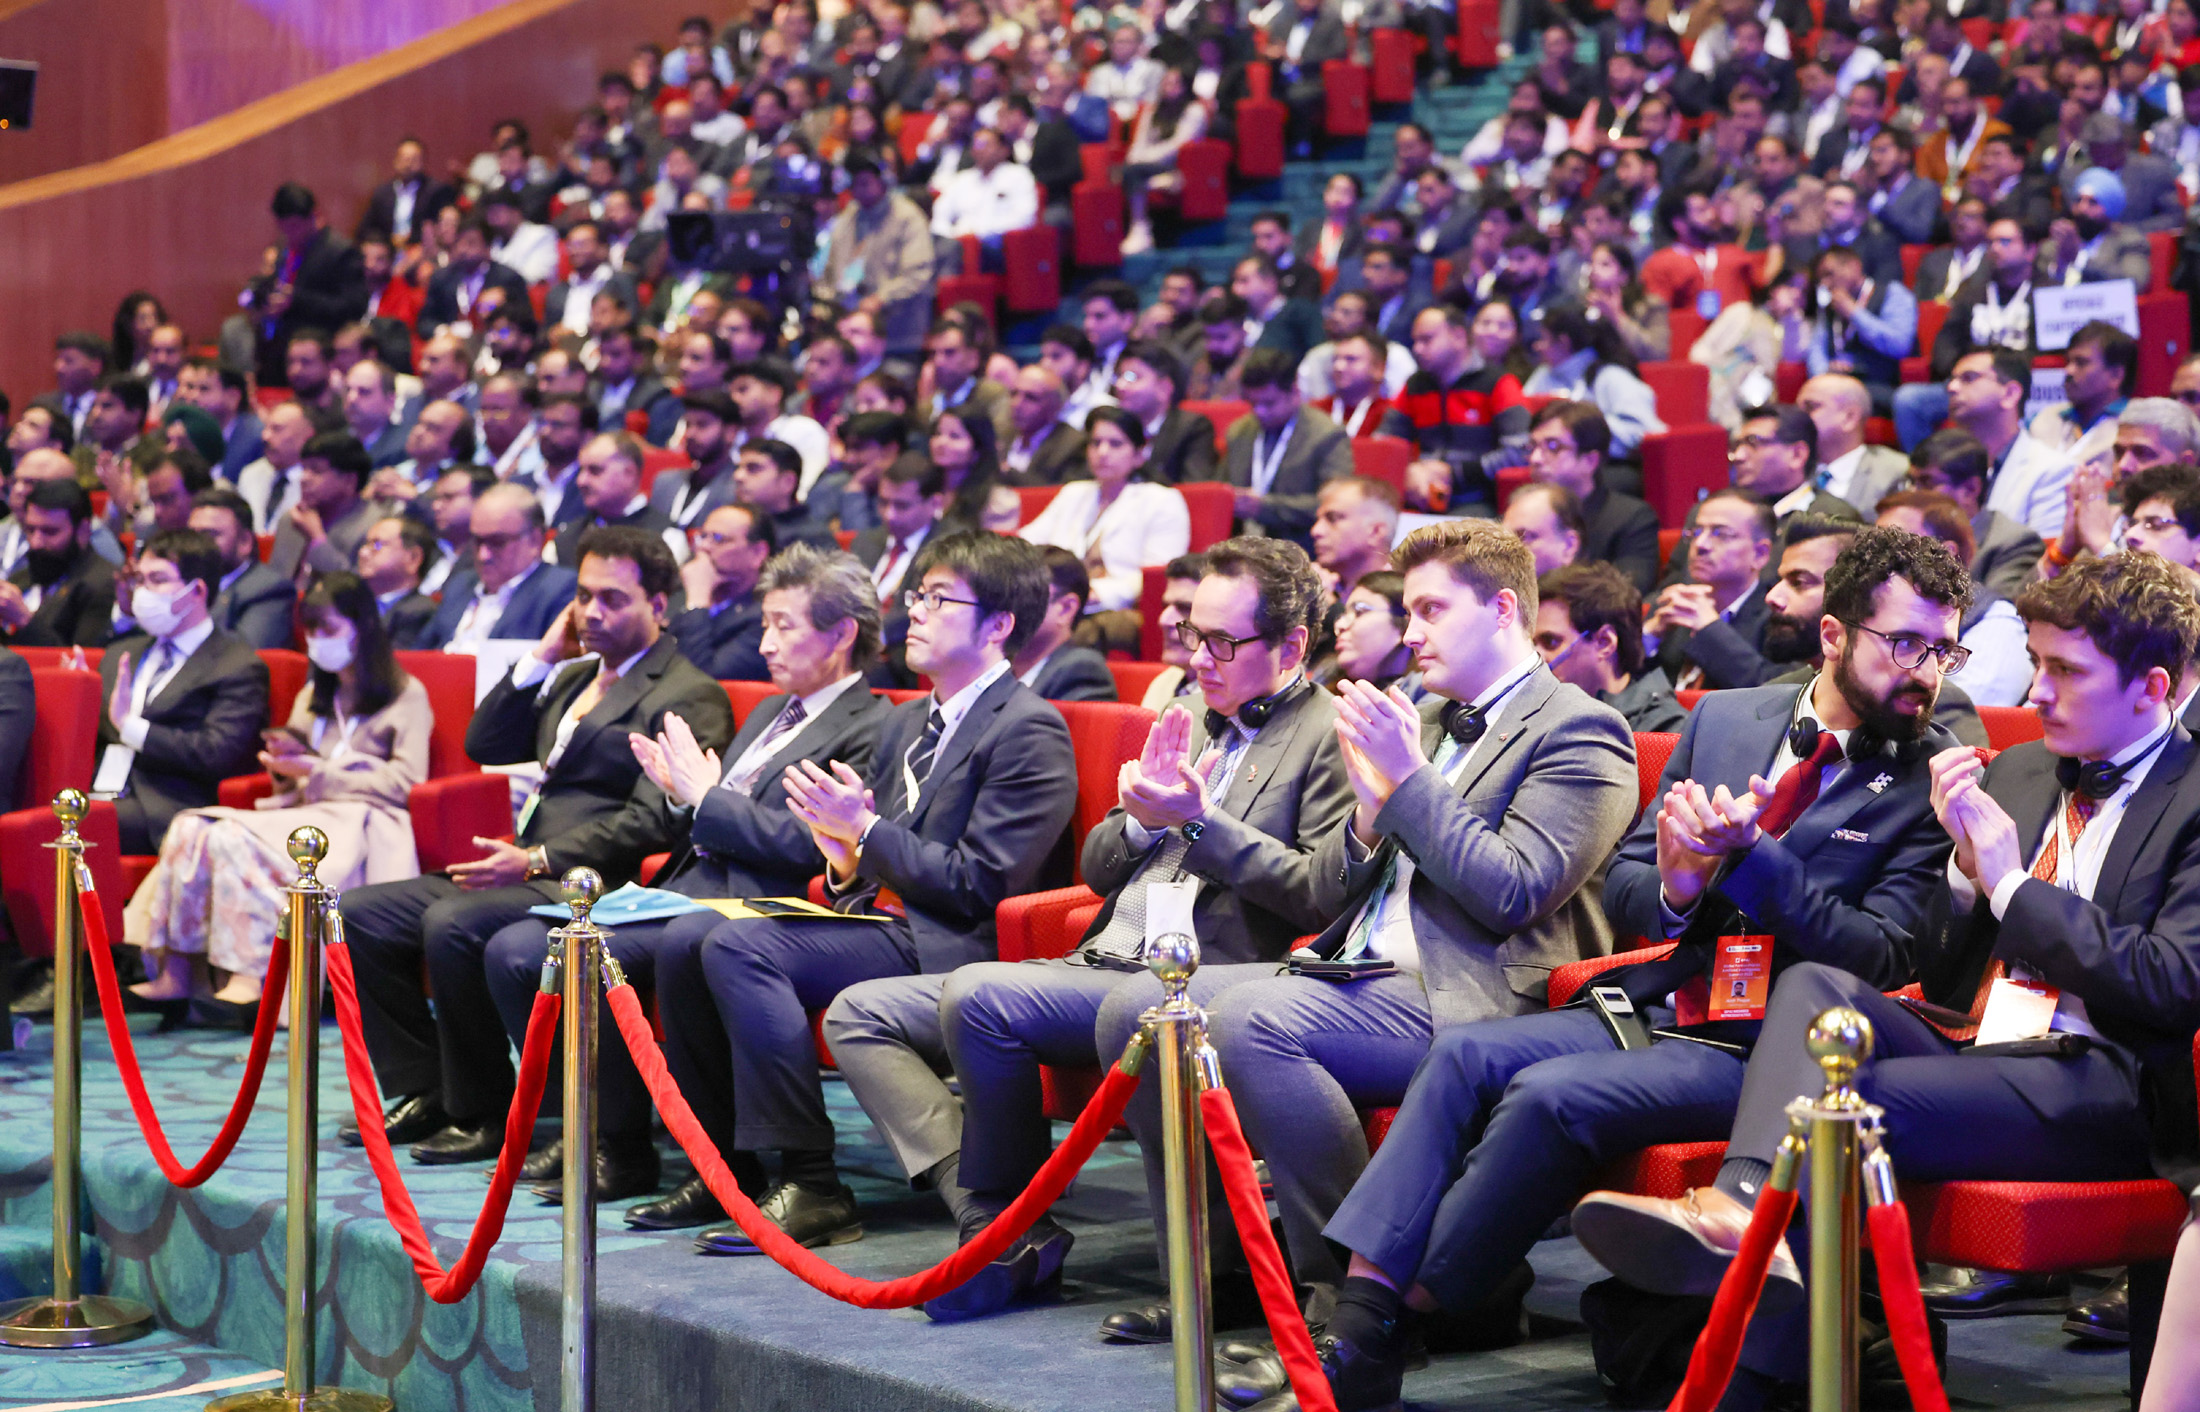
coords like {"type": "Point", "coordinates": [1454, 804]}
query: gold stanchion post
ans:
{"type": "Point", "coordinates": [69, 1318]}
{"type": "Point", "coordinates": [311, 905]}
{"type": "Point", "coordinates": [1179, 1029]}
{"type": "Point", "coordinates": [580, 942]}
{"type": "Point", "coordinates": [1840, 1040]}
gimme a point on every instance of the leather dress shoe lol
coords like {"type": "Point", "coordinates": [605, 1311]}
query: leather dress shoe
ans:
{"type": "Point", "coordinates": [627, 1171]}
{"type": "Point", "coordinates": [1361, 1379]}
{"type": "Point", "coordinates": [457, 1144]}
{"type": "Point", "coordinates": [1959, 1292]}
{"type": "Point", "coordinates": [1248, 1382]}
{"type": "Point", "coordinates": [1679, 1246]}
{"type": "Point", "coordinates": [544, 1164]}
{"type": "Point", "coordinates": [36, 1000]}
{"type": "Point", "coordinates": [1028, 1271]}
{"type": "Point", "coordinates": [810, 1218]}
{"type": "Point", "coordinates": [2106, 1317]}
{"type": "Point", "coordinates": [690, 1204]}
{"type": "Point", "coordinates": [406, 1120]}
{"type": "Point", "coordinates": [1236, 1305]}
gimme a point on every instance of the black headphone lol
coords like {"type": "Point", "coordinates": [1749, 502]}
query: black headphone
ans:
{"type": "Point", "coordinates": [2098, 779]}
{"type": "Point", "coordinates": [1466, 723]}
{"type": "Point", "coordinates": [1254, 714]}
{"type": "Point", "coordinates": [1863, 742]}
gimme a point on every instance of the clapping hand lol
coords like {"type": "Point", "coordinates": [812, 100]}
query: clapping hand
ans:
{"type": "Point", "coordinates": [1698, 830]}
{"type": "Point", "coordinates": [1985, 836]}
{"type": "Point", "coordinates": [1380, 734]}
{"type": "Point", "coordinates": [1162, 788]}
{"type": "Point", "coordinates": [676, 762]}
{"type": "Point", "coordinates": [118, 700]}
{"type": "Point", "coordinates": [835, 807]}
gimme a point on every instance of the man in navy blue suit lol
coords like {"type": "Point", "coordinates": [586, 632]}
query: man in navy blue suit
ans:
{"type": "Point", "coordinates": [509, 592]}
{"type": "Point", "coordinates": [1794, 819]}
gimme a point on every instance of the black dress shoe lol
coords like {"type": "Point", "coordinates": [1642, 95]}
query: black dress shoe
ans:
{"type": "Point", "coordinates": [690, 1204]}
{"type": "Point", "coordinates": [1148, 1323]}
{"type": "Point", "coordinates": [810, 1218]}
{"type": "Point", "coordinates": [2106, 1317]}
{"type": "Point", "coordinates": [204, 1013]}
{"type": "Point", "coordinates": [36, 999]}
{"type": "Point", "coordinates": [626, 1172]}
{"type": "Point", "coordinates": [1236, 1304]}
{"type": "Point", "coordinates": [1029, 1271]}
{"type": "Point", "coordinates": [457, 1144]}
{"type": "Point", "coordinates": [1957, 1292]}
{"type": "Point", "coordinates": [1248, 1382]}
{"type": "Point", "coordinates": [544, 1164]}
{"type": "Point", "coordinates": [408, 1119]}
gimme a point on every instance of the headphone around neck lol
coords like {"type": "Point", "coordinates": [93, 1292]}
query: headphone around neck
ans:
{"type": "Point", "coordinates": [1255, 714]}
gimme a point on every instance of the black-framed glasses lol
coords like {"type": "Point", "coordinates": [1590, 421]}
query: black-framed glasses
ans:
{"type": "Point", "coordinates": [2156, 524]}
{"type": "Point", "coordinates": [932, 599]}
{"type": "Point", "coordinates": [1219, 647]}
{"type": "Point", "coordinates": [1909, 651]}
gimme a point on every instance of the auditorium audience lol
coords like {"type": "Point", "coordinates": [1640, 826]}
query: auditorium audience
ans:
{"type": "Point", "coordinates": [350, 750]}
{"type": "Point", "coordinates": [250, 599]}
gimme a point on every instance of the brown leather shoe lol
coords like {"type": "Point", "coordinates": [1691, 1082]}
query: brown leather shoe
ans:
{"type": "Point", "coordinates": [1679, 1247]}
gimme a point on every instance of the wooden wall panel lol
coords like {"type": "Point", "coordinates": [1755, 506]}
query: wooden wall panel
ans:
{"type": "Point", "coordinates": [102, 83]}
{"type": "Point", "coordinates": [187, 216]}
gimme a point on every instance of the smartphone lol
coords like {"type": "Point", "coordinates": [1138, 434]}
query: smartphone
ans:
{"type": "Point", "coordinates": [1322, 970]}
{"type": "Point", "coordinates": [1629, 1030]}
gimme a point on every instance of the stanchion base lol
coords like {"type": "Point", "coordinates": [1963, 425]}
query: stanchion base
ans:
{"type": "Point", "coordinates": [88, 1322]}
{"type": "Point", "coordinates": [321, 1399]}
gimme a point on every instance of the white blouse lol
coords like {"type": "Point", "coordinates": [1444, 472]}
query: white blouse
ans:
{"type": "Point", "coordinates": [1146, 527]}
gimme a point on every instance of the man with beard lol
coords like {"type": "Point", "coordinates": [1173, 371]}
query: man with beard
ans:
{"type": "Point", "coordinates": [2092, 242]}
{"type": "Point", "coordinates": [64, 594]}
{"type": "Point", "coordinates": [1701, 269]}
{"type": "Point", "coordinates": [687, 496]}
{"type": "Point", "coordinates": [1708, 630]}
{"type": "Point", "coordinates": [1506, 1117]}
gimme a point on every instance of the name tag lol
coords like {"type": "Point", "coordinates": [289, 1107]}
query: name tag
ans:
{"type": "Point", "coordinates": [114, 771]}
{"type": "Point", "coordinates": [1741, 976]}
{"type": "Point", "coordinates": [2018, 1010]}
{"type": "Point", "coordinates": [1169, 908]}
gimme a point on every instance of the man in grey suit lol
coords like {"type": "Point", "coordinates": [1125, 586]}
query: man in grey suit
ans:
{"type": "Point", "coordinates": [1799, 813]}
{"type": "Point", "coordinates": [251, 600]}
{"type": "Point", "coordinates": [1280, 457]}
{"type": "Point", "coordinates": [2092, 242]}
{"type": "Point", "coordinates": [1455, 886]}
{"type": "Point", "coordinates": [1840, 405]}
{"type": "Point", "coordinates": [732, 836]}
{"type": "Point", "coordinates": [1955, 463]}
{"type": "Point", "coordinates": [686, 497]}
{"type": "Point", "coordinates": [2148, 182]}
{"type": "Point", "coordinates": [1242, 825]}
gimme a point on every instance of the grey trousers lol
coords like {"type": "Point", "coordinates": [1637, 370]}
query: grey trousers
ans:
{"type": "Point", "coordinates": [1301, 1057]}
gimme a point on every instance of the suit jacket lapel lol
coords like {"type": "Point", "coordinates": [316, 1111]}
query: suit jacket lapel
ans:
{"type": "Point", "coordinates": [975, 723]}
{"type": "Point", "coordinates": [1510, 727]}
{"type": "Point", "coordinates": [1259, 765]}
{"type": "Point", "coordinates": [2141, 816]}
{"type": "Point", "coordinates": [624, 694]}
{"type": "Point", "coordinates": [185, 678]}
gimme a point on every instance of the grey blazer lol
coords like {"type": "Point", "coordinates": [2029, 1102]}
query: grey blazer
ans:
{"type": "Point", "coordinates": [1881, 473]}
{"type": "Point", "coordinates": [1255, 849]}
{"type": "Point", "coordinates": [1501, 861]}
{"type": "Point", "coordinates": [1317, 453]}
{"type": "Point", "coordinates": [2007, 551]}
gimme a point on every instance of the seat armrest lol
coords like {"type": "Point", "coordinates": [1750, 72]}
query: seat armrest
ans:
{"type": "Point", "coordinates": [1567, 980]}
{"type": "Point", "coordinates": [1036, 925]}
{"type": "Point", "coordinates": [449, 813]}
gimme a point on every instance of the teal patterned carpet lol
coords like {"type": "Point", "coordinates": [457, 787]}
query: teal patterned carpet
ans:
{"type": "Point", "coordinates": [677, 1332]}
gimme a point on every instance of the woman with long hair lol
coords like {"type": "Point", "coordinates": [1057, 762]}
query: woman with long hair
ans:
{"type": "Point", "coordinates": [1119, 522]}
{"type": "Point", "coordinates": [1614, 294]}
{"type": "Point", "coordinates": [135, 319]}
{"type": "Point", "coordinates": [1584, 358]}
{"type": "Point", "coordinates": [355, 744]}
{"type": "Point", "coordinates": [966, 448]}
{"type": "Point", "coordinates": [1173, 119]}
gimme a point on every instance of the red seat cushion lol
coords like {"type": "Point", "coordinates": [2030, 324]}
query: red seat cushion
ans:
{"type": "Point", "coordinates": [2042, 1227]}
{"type": "Point", "coordinates": [1668, 1170]}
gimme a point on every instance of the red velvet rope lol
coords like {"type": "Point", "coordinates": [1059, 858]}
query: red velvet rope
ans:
{"type": "Point", "coordinates": [519, 1126]}
{"type": "Point", "coordinates": [1092, 1126]}
{"type": "Point", "coordinates": [133, 1079]}
{"type": "Point", "coordinates": [1234, 1163]}
{"type": "Point", "coordinates": [1711, 1366]}
{"type": "Point", "coordinates": [1913, 1341]}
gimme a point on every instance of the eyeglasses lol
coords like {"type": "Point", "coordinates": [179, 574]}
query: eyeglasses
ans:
{"type": "Point", "coordinates": [932, 599]}
{"type": "Point", "coordinates": [1219, 647]}
{"type": "Point", "coordinates": [1717, 534]}
{"type": "Point", "coordinates": [2157, 524]}
{"type": "Point", "coordinates": [711, 539]}
{"type": "Point", "coordinates": [1552, 445]}
{"type": "Point", "coordinates": [2190, 396]}
{"type": "Point", "coordinates": [1753, 443]}
{"type": "Point", "coordinates": [1909, 651]}
{"type": "Point", "coordinates": [1361, 610]}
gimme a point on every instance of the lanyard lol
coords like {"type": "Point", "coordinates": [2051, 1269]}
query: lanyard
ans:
{"type": "Point", "coordinates": [1264, 473]}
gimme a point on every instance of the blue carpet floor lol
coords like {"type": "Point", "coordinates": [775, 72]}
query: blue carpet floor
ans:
{"type": "Point", "coordinates": [677, 1331]}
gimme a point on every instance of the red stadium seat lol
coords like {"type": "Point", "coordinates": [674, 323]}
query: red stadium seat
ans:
{"type": "Point", "coordinates": [1103, 734]}
{"type": "Point", "coordinates": [1344, 98]}
{"type": "Point", "coordinates": [1392, 77]}
{"type": "Point", "coordinates": [656, 460]}
{"type": "Point", "coordinates": [1689, 696]}
{"type": "Point", "coordinates": [746, 696]}
{"type": "Point", "coordinates": [1652, 750]}
{"type": "Point", "coordinates": [1475, 44]}
{"type": "Point", "coordinates": [1912, 257]}
{"type": "Point", "coordinates": [1154, 583]}
{"type": "Point", "coordinates": [63, 752]}
{"type": "Point", "coordinates": [914, 126]}
{"type": "Point", "coordinates": [1683, 390]}
{"type": "Point", "coordinates": [982, 290]}
{"type": "Point", "coordinates": [1668, 541]}
{"type": "Point", "coordinates": [1223, 415]}
{"type": "Point", "coordinates": [1788, 380]}
{"type": "Point", "coordinates": [1260, 124]}
{"type": "Point", "coordinates": [2162, 246]}
{"type": "Point", "coordinates": [1509, 479]}
{"type": "Point", "coordinates": [1213, 507]}
{"type": "Point", "coordinates": [1687, 326]}
{"type": "Point", "coordinates": [1098, 212]}
{"type": "Point", "coordinates": [1132, 679]}
{"type": "Point", "coordinates": [1033, 257]}
{"type": "Point", "coordinates": [1383, 458]}
{"type": "Point", "coordinates": [2164, 327]}
{"type": "Point", "coordinates": [1931, 318]}
{"type": "Point", "coordinates": [1680, 467]}
{"type": "Point", "coordinates": [1204, 166]}
{"type": "Point", "coordinates": [1036, 498]}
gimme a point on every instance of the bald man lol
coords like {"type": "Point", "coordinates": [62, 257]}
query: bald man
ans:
{"type": "Point", "coordinates": [1847, 468]}
{"type": "Point", "coordinates": [1043, 449]}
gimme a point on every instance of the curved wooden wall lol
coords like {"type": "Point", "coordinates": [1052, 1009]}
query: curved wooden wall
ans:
{"type": "Point", "coordinates": [186, 216]}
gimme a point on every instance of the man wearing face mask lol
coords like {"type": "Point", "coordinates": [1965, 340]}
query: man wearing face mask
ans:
{"type": "Point", "coordinates": [184, 701]}
{"type": "Point", "coordinates": [64, 594]}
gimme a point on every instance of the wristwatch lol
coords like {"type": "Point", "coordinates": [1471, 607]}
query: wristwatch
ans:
{"type": "Point", "coordinates": [538, 862]}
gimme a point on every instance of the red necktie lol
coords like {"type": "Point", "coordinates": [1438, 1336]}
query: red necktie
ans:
{"type": "Point", "coordinates": [1798, 788]}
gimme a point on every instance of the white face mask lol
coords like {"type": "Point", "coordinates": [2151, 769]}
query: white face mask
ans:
{"type": "Point", "coordinates": [335, 651]}
{"type": "Point", "coordinates": [156, 612]}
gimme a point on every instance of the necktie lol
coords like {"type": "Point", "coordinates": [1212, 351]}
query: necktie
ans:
{"type": "Point", "coordinates": [2078, 813]}
{"type": "Point", "coordinates": [1798, 788]}
{"type": "Point", "coordinates": [1364, 931]}
{"type": "Point", "coordinates": [1125, 937]}
{"type": "Point", "coordinates": [916, 766]}
{"type": "Point", "coordinates": [593, 694]}
{"type": "Point", "coordinates": [790, 721]}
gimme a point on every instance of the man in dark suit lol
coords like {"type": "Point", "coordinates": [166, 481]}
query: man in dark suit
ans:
{"type": "Point", "coordinates": [1481, 816]}
{"type": "Point", "coordinates": [390, 560]}
{"type": "Point", "coordinates": [1566, 447]}
{"type": "Point", "coordinates": [1955, 463]}
{"type": "Point", "coordinates": [731, 835]}
{"type": "Point", "coordinates": [447, 1072]}
{"type": "Point", "coordinates": [184, 701]}
{"type": "Point", "coordinates": [1304, 35]}
{"type": "Point", "coordinates": [607, 485]}
{"type": "Point", "coordinates": [1247, 828]}
{"type": "Point", "coordinates": [1835, 860]}
{"type": "Point", "coordinates": [912, 495]}
{"type": "Point", "coordinates": [621, 383]}
{"type": "Point", "coordinates": [1288, 325]}
{"type": "Point", "coordinates": [687, 496]}
{"type": "Point", "coordinates": [1905, 203]}
{"type": "Point", "coordinates": [722, 629]}
{"type": "Point", "coordinates": [1149, 383]}
{"type": "Point", "coordinates": [454, 289]}
{"type": "Point", "coordinates": [507, 592]}
{"type": "Point", "coordinates": [966, 799]}
{"type": "Point", "coordinates": [1048, 664]}
{"type": "Point", "coordinates": [64, 595]}
{"type": "Point", "coordinates": [2079, 887]}
{"type": "Point", "coordinates": [409, 199]}
{"type": "Point", "coordinates": [1045, 450]}
{"type": "Point", "coordinates": [251, 600]}
{"type": "Point", "coordinates": [767, 475]}
{"type": "Point", "coordinates": [319, 282]}
{"type": "Point", "coordinates": [1730, 543]}
{"type": "Point", "coordinates": [589, 274]}
{"type": "Point", "coordinates": [1843, 151]}
{"type": "Point", "coordinates": [1281, 455]}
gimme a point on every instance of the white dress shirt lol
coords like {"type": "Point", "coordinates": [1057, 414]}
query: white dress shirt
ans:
{"type": "Point", "coordinates": [479, 622]}
{"type": "Point", "coordinates": [952, 711]}
{"type": "Point", "coordinates": [987, 203]}
{"type": "Point", "coordinates": [532, 251]}
{"type": "Point", "coordinates": [764, 746]}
